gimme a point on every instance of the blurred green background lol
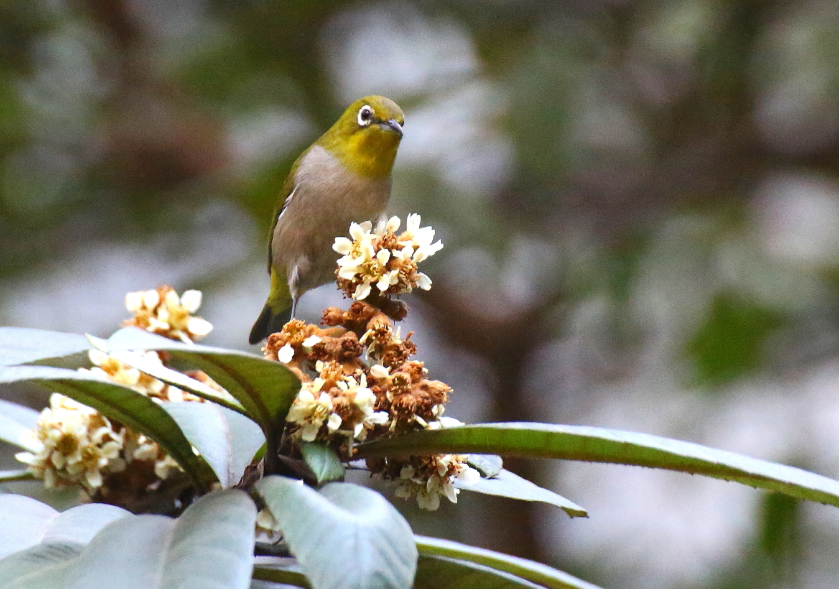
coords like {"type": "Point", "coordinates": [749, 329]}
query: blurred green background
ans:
{"type": "Point", "coordinates": [639, 201]}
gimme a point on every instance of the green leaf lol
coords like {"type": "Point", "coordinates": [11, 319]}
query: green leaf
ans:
{"type": "Point", "coordinates": [15, 421]}
{"type": "Point", "coordinates": [528, 570]}
{"type": "Point", "coordinates": [118, 403]}
{"type": "Point", "coordinates": [226, 439]}
{"type": "Point", "coordinates": [344, 536]}
{"type": "Point", "coordinates": [265, 388]}
{"type": "Point", "coordinates": [489, 465]}
{"type": "Point", "coordinates": [323, 461]}
{"type": "Point", "coordinates": [592, 444]}
{"type": "Point", "coordinates": [508, 484]}
{"type": "Point", "coordinates": [19, 345]}
{"type": "Point", "coordinates": [280, 570]}
{"type": "Point", "coordinates": [28, 565]}
{"type": "Point", "coordinates": [209, 546]}
{"type": "Point", "coordinates": [172, 377]}
{"type": "Point", "coordinates": [730, 343]}
{"type": "Point", "coordinates": [27, 522]}
{"type": "Point", "coordinates": [11, 476]}
{"type": "Point", "coordinates": [439, 572]}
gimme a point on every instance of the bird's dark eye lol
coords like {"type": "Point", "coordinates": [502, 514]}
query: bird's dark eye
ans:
{"type": "Point", "coordinates": [365, 114]}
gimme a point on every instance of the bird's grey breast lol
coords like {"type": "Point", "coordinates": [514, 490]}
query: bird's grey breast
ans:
{"type": "Point", "coordinates": [327, 197]}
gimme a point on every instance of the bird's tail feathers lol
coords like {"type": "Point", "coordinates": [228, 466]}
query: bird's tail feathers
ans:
{"type": "Point", "coordinates": [277, 310]}
{"type": "Point", "coordinates": [269, 322]}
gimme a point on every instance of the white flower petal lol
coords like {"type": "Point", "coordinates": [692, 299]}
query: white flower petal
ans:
{"type": "Point", "coordinates": [342, 245]}
{"type": "Point", "coordinates": [150, 299]}
{"type": "Point", "coordinates": [311, 341]}
{"type": "Point", "coordinates": [172, 300]}
{"type": "Point", "coordinates": [191, 300]}
{"type": "Point", "coordinates": [423, 281]}
{"type": "Point", "coordinates": [378, 418]}
{"type": "Point", "coordinates": [285, 355]}
{"type": "Point", "coordinates": [310, 432]}
{"type": "Point", "coordinates": [347, 272]}
{"type": "Point", "coordinates": [199, 327]}
{"type": "Point", "coordinates": [334, 422]}
{"type": "Point", "coordinates": [379, 371]}
{"type": "Point", "coordinates": [450, 492]}
{"type": "Point", "coordinates": [383, 283]}
{"type": "Point", "coordinates": [412, 223]}
{"type": "Point", "coordinates": [468, 476]}
{"type": "Point", "coordinates": [403, 491]}
{"type": "Point", "coordinates": [428, 501]}
{"type": "Point", "coordinates": [407, 472]}
{"type": "Point", "coordinates": [356, 232]}
{"type": "Point", "coordinates": [364, 398]}
{"type": "Point", "coordinates": [362, 291]}
{"type": "Point", "coordinates": [97, 357]}
{"type": "Point", "coordinates": [134, 301]}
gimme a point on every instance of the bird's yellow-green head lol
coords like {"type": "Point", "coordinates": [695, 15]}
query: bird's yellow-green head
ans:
{"type": "Point", "coordinates": [366, 137]}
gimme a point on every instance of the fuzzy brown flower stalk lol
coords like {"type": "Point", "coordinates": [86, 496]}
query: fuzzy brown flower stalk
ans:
{"type": "Point", "coordinates": [359, 379]}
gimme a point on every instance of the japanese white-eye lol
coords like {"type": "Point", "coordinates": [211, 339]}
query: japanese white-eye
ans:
{"type": "Point", "coordinates": [342, 177]}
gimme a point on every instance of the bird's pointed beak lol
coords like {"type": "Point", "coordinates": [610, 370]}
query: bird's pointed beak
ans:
{"type": "Point", "coordinates": [391, 125]}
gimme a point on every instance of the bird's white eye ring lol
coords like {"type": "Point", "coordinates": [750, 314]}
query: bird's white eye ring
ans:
{"type": "Point", "coordinates": [365, 115]}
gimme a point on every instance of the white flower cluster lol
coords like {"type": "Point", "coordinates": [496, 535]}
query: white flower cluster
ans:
{"type": "Point", "coordinates": [76, 445]}
{"type": "Point", "coordinates": [310, 409]}
{"type": "Point", "coordinates": [428, 488]}
{"type": "Point", "coordinates": [365, 400]}
{"type": "Point", "coordinates": [163, 312]}
{"type": "Point", "coordinates": [351, 410]}
{"type": "Point", "coordinates": [114, 369]}
{"type": "Point", "coordinates": [379, 257]}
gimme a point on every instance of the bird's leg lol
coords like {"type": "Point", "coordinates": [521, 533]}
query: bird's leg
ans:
{"type": "Point", "coordinates": [293, 278]}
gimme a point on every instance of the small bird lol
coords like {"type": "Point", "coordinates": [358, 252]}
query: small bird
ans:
{"type": "Point", "coordinates": [342, 177]}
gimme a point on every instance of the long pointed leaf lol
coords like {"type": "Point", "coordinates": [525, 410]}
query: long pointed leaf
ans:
{"type": "Point", "coordinates": [345, 536]}
{"type": "Point", "coordinates": [118, 403]}
{"type": "Point", "coordinates": [592, 444]}
{"type": "Point", "coordinates": [265, 389]}
{"type": "Point", "coordinates": [27, 522]}
{"type": "Point", "coordinates": [280, 570]}
{"type": "Point", "coordinates": [226, 439]}
{"type": "Point", "coordinates": [19, 345]}
{"type": "Point", "coordinates": [15, 421]}
{"type": "Point", "coordinates": [173, 377]}
{"type": "Point", "coordinates": [11, 476]}
{"type": "Point", "coordinates": [439, 572]}
{"type": "Point", "coordinates": [508, 484]}
{"type": "Point", "coordinates": [526, 569]}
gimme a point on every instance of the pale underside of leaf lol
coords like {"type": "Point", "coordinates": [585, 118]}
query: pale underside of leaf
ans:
{"type": "Point", "coordinates": [345, 536]}
{"type": "Point", "coordinates": [211, 545]}
{"type": "Point", "coordinates": [120, 404]}
{"type": "Point", "coordinates": [508, 484]}
{"type": "Point", "coordinates": [19, 345]}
